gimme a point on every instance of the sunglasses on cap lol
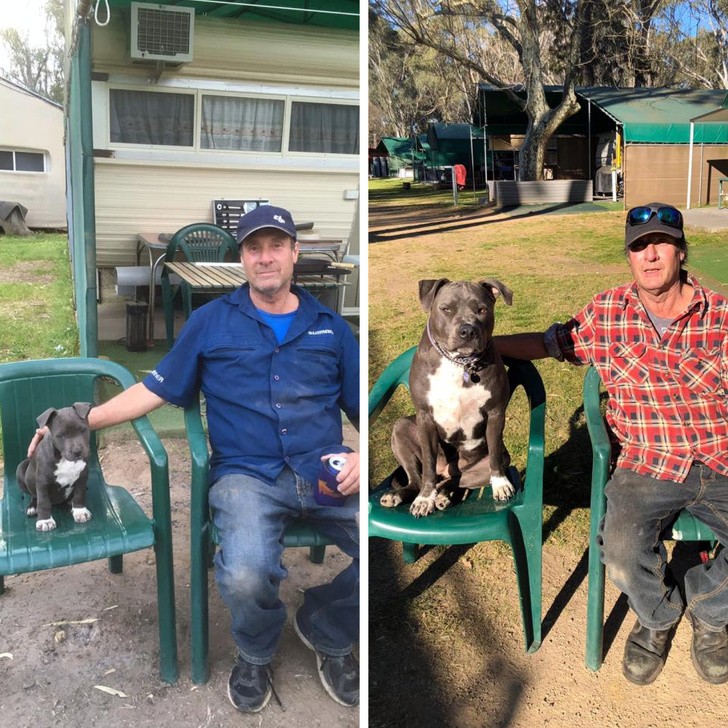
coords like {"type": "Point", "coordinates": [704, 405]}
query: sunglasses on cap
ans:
{"type": "Point", "coordinates": [666, 215]}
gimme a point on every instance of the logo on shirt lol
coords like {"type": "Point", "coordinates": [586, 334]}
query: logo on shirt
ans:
{"type": "Point", "coordinates": [320, 331]}
{"type": "Point", "coordinates": [157, 376]}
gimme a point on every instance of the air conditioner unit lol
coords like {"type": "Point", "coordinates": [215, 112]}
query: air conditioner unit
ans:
{"type": "Point", "coordinates": [161, 33]}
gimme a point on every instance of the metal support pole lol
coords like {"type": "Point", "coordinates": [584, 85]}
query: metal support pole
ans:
{"type": "Point", "coordinates": [690, 164]}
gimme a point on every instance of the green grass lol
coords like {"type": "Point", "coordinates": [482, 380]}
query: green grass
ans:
{"type": "Point", "coordinates": [36, 305]}
{"type": "Point", "coordinates": [554, 264]}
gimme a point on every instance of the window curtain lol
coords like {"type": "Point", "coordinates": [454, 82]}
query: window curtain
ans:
{"type": "Point", "coordinates": [324, 128]}
{"type": "Point", "coordinates": [149, 117]}
{"type": "Point", "coordinates": [242, 124]}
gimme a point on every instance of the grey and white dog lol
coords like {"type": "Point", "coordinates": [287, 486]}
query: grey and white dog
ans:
{"type": "Point", "coordinates": [58, 470]}
{"type": "Point", "coordinates": [460, 390]}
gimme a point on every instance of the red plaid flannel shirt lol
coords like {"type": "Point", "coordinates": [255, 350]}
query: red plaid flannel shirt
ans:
{"type": "Point", "coordinates": [667, 396]}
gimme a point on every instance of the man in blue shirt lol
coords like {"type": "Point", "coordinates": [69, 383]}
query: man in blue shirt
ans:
{"type": "Point", "coordinates": [276, 368]}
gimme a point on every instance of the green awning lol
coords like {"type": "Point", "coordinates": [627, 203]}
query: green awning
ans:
{"type": "Point", "coordinates": [661, 115]}
{"type": "Point", "coordinates": [341, 14]}
{"type": "Point", "coordinates": [646, 115]}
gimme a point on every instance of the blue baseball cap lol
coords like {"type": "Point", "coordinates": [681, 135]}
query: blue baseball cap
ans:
{"type": "Point", "coordinates": [265, 216]}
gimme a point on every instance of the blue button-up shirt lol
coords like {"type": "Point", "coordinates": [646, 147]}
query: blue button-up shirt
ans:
{"type": "Point", "coordinates": [268, 404]}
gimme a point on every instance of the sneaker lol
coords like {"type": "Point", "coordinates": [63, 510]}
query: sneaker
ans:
{"type": "Point", "coordinates": [339, 674]}
{"type": "Point", "coordinates": [249, 686]}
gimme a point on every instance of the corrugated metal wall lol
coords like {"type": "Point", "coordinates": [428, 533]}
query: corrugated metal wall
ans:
{"type": "Point", "coordinates": [660, 172]}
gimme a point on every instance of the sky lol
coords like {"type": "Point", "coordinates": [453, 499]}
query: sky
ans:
{"type": "Point", "coordinates": [26, 16]}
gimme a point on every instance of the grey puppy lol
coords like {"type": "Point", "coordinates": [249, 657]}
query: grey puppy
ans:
{"type": "Point", "coordinates": [58, 470]}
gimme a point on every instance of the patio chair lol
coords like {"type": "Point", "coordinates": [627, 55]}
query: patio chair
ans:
{"type": "Point", "coordinates": [118, 524]}
{"type": "Point", "coordinates": [685, 528]}
{"type": "Point", "coordinates": [203, 539]}
{"type": "Point", "coordinates": [200, 242]}
{"type": "Point", "coordinates": [478, 517]}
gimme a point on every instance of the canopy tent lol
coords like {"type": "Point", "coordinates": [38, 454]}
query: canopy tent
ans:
{"type": "Point", "coordinates": [717, 116]}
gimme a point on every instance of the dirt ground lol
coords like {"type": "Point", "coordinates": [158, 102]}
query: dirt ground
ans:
{"type": "Point", "coordinates": [446, 644]}
{"type": "Point", "coordinates": [50, 661]}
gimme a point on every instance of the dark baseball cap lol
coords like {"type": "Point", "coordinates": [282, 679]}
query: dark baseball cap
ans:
{"type": "Point", "coordinates": [654, 217]}
{"type": "Point", "coordinates": [265, 216]}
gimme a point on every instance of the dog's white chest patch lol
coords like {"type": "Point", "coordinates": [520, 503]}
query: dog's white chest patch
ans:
{"type": "Point", "coordinates": [68, 471]}
{"type": "Point", "coordinates": [454, 406]}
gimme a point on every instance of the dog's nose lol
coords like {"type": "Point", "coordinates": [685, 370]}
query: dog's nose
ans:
{"type": "Point", "coordinates": [466, 331]}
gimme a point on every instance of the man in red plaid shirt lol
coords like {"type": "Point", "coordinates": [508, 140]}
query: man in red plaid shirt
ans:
{"type": "Point", "coordinates": [660, 345]}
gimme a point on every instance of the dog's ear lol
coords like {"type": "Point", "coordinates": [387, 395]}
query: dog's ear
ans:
{"type": "Point", "coordinates": [44, 419]}
{"type": "Point", "coordinates": [496, 288]}
{"type": "Point", "coordinates": [428, 291]}
{"type": "Point", "coordinates": [82, 409]}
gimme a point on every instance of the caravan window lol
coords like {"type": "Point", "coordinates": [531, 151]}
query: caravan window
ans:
{"type": "Point", "coordinates": [324, 128]}
{"type": "Point", "coordinates": [242, 123]}
{"type": "Point", "coordinates": [152, 117]}
{"type": "Point", "coordinates": [16, 161]}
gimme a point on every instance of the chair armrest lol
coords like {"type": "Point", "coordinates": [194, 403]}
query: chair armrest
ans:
{"type": "Point", "coordinates": [395, 374]}
{"type": "Point", "coordinates": [159, 465]}
{"type": "Point", "coordinates": [524, 373]}
{"type": "Point", "coordinates": [153, 447]}
{"type": "Point", "coordinates": [601, 447]}
{"type": "Point", "coordinates": [200, 456]}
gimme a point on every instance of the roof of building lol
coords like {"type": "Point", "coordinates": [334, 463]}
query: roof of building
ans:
{"type": "Point", "coordinates": [342, 14]}
{"type": "Point", "coordinates": [28, 92]}
{"type": "Point", "coordinates": [646, 115]}
{"type": "Point", "coordinates": [661, 115]}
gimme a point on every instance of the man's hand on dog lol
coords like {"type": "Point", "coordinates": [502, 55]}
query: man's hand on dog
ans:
{"type": "Point", "coordinates": [40, 433]}
{"type": "Point", "coordinates": [348, 478]}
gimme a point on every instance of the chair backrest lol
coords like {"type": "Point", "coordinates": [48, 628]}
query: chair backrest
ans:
{"type": "Point", "coordinates": [28, 388]}
{"type": "Point", "coordinates": [202, 242]}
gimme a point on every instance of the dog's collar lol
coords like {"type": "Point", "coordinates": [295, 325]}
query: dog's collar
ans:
{"type": "Point", "coordinates": [471, 364]}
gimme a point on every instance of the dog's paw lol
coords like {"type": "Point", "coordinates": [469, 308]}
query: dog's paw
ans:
{"type": "Point", "coordinates": [442, 501]}
{"type": "Point", "coordinates": [31, 511]}
{"type": "Point", "coordinates": [81, 515]}
{"type": "Point", "coordinates": [390, 500]}
{"type": "Point", "coordinates": [503, 489]}
{"type": "Point", "coordinates": [45, 524]}
{"type": "Point", "coordinates": [423, 505]}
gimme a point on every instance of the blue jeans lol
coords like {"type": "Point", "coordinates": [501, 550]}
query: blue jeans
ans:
{"type": "Point", "coordinates": [638, 509]}
{"type": "Point", "coordinates": [250, 517]}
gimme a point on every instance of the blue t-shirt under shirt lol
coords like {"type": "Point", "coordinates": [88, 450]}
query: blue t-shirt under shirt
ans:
{"type": "Point", "coordinates": [279, 322]}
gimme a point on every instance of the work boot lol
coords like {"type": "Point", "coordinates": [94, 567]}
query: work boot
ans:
{"type": "Point", "coordinates": [644, 653]}
{"type": "Point", "coordinates": [709, 651]}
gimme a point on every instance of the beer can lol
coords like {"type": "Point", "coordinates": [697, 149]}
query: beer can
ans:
{"type": "Point", "coordinates": [326, 493]}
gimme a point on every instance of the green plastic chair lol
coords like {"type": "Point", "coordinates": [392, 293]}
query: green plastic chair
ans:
{"type": "Point", "coordinates": [200, 242]}
{"type": "Point", "coordinates": [118, 525]}
{"type": "Point", "coordinates": [685, 528]}
{"type": "Point", "coordinates": [519, 522]}
{"type": "Point", "coordinates": [203, 539]}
